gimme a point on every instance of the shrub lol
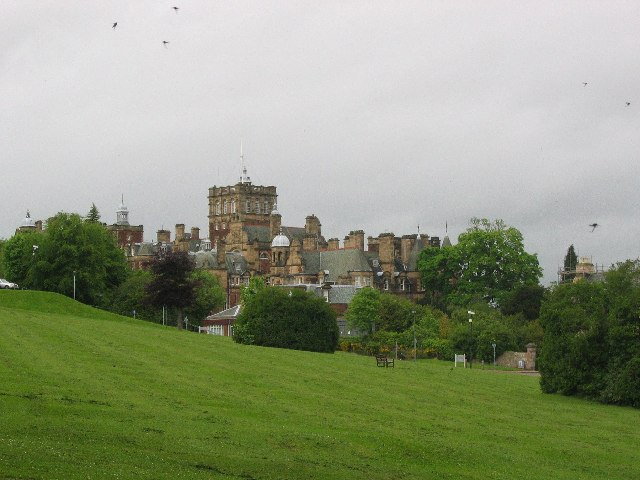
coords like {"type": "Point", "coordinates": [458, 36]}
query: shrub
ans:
{"type": "Point", "coordinates": [298, 320]}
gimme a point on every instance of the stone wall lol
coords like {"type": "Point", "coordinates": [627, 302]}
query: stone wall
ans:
{"type": "Point", "coordinates": [524, 360]}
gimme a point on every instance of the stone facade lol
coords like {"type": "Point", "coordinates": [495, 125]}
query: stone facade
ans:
{"type": "Point", "coordinates": [247, 238]}
{"type": "Point", "coordinates": [523, 360]}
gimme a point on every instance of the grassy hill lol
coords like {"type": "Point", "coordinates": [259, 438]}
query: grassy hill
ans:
{"type": "Point", "coordinates": [87, 394]}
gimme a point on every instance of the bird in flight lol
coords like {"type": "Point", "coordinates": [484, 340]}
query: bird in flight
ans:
{"type": "Point", "coordinates": [115, 24]}
{"type": "Point", "coordinates": [165, 43]}
{"type": "Point", "coordinates": [593, 226]}
{"type": "Point", "coordinates": [176, 9]}
{"type": "Point", "coordinates": [584, 84]}
{"type": "Point", "coordinates": [628, 103]}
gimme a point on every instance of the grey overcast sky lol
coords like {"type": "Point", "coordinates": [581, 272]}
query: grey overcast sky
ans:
{"type": "Point", "coordinates": [373, 115]}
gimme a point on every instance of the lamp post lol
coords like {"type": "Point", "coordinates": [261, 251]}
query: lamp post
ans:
{"type": "Point", "coordinates": [415, 343]}
{"type": "Point", "coordinates": [494, 353]}
{"type": "Point", "coordinates": [471, 342]}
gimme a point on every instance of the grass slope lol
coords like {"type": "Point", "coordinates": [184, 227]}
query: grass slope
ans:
{"type": "Point", "coordinates": [87, 394]}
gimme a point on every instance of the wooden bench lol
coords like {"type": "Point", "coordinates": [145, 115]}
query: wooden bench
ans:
{"type": "Point", "coordinates": [383, 361]}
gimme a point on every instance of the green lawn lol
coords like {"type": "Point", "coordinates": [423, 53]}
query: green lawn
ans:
{"type": "Point", "coordinates": [87, 394]}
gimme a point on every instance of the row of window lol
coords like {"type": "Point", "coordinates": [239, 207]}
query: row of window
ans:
{"type": "Point", "coordinates": [230, 206]}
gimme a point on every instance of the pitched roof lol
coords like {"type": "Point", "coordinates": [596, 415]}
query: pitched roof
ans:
{"type": "Point", "coordinates": [232, 312]}
{"type": "Point", "coordinates": [257, 232]}
{"type": "Point", "coordinates": [337, 262]}
{"type": "Point", "coordinates": [294, 233]}
{"type": "Point", "coordinates": [412, 263]}
{"type": "Point", "coordinates": [235, 262]}
{"type": "Point", "coordinates": [205, 259]}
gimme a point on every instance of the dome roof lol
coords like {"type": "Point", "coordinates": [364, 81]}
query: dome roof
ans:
{"type": "Point", "coordinates": [280, 240]}
{"type": "Point", "coordinates": [28, 221]}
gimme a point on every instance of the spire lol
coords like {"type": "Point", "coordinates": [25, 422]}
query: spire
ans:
{"type": "Point", "coordinates": [243, 177]}
{"type": "Point", "coordinates": [122, 214]}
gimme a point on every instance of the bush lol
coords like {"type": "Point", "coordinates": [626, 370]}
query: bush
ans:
{"type": "Point", "coordinates": [298, 320]}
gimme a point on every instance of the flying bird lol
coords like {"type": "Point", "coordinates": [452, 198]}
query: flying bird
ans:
{"type": "Point", "coordinates": [628, 103]}
{"type": "Point", "coordinates": [176, 9]}
{"type": "Point", "coordinates": [593, 226]}
{"type": "Point", "coordinates": [165, 43]}
{"type": "Point", "coordinates": [584, 84]}
{"type": "Point", "coordinates": [115, 24]}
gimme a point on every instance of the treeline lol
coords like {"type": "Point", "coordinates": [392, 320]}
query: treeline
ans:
{"type": "Point", "coordinates": [78, 257]}
{"type": "Point", "coordinates": [384, 322]}
{"type": "Point", "coordinates": [592, 338]}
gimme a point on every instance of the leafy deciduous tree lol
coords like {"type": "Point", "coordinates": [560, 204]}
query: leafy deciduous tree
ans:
{"type": "Point", "coordinates": [68, 249]}
{"type": "Point", "coordinates": [573, 357]}
{"type": "Point", "coordinates": [525, 299]}
{"type": "Point", "coordinates": [488, 261]}
{"type": "Point", "coordinates": [364, 310]}
{"type": "Point", "coordinates": [172, 284]}
{"type": "Point", "coordinates": [209, 296]}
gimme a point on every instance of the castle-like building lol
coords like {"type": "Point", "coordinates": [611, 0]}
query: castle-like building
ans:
{"type": "Point", "coordinates": [246, 238]}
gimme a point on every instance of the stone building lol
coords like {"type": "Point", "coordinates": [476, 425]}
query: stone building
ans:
{"type": "Point", "coordinates": [247, 238]}
{"type": "Point", "coordinates": [126, 235]}
{"type": "Point", "coordinates": [29, 225]}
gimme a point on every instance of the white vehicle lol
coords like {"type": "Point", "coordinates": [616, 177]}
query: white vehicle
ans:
{"type": "Point", "coordinates": [7, 284]}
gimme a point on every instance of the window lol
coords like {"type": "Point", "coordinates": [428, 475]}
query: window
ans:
{"type": "Point", "coordinates": [224, 207]}
{"type": "Point", "coordinates": [224, 226]}
{"type": "Point", "coordinates": [218, 207]}
{"type": "Point", "coordinates": [217, 227]}
{"type": "Point", "coordinates": [216, 329]}
{"type": "Point", "coordinates": [267, 208]}
{"type": "Point", "coordinates": [233, 206]}
{"type": "Point", "coordinates": [248, 206]}
{"type": "Point", "coordinates": [386, 284]}
{"type": "Point", "coordinates": [257, 207]}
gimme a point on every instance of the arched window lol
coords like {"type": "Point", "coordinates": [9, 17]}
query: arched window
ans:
{"type": "Point", "coordinates": [224, 207]}
{"type": "Point", "coordinates": [218, 207]}
{"type": "Point", "coordinates": [224, 226]}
